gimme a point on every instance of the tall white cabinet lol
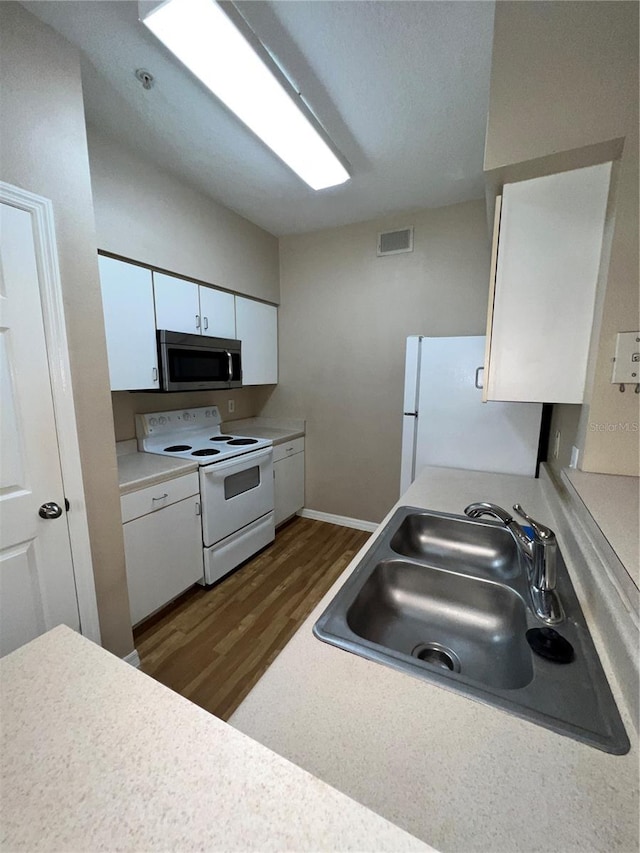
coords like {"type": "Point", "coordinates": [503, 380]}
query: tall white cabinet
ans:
{"type": "Point", "coordinates": [547, 249]}
{"type": "Point", "coordinates": [129, 319]}
{"type": "Point", "coordinates": [257, 328]}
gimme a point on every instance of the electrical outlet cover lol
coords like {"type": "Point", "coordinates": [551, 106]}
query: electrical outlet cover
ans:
{"type": "Point", "coordinates": [626, 366]}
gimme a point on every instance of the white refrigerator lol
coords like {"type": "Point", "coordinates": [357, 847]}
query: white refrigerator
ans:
{"type": "Point", "coordinates": [445, 422]}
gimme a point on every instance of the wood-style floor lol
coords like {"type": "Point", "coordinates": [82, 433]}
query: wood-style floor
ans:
{"type": "Point", "coordinates": [213, 645]}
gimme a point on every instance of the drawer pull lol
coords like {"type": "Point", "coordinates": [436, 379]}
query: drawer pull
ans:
{"type": "Point", "coordinates": [289, 449]}
{"type": "Point", "coordinates": [161, 498]}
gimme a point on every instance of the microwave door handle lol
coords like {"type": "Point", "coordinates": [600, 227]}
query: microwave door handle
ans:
{"type": "Point", "coordinates": [230, 365]}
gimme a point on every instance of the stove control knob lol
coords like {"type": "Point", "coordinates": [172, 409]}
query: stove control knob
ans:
{"type": "Point", "coordinates": [162, 420]}
{"type": "Point", "coordinates": [153, 422]}
{"type": "Point", "coordinates": [186, 416]}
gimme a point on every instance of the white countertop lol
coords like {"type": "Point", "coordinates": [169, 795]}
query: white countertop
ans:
{"type": "Point", "coordinates": [98, 756]}
{"type": "Point", "coordinates": [460, 775]}
{"type": "Point", "coordinates": [139, 470]}
{"type": "Point", "coordinates": [614, 503]}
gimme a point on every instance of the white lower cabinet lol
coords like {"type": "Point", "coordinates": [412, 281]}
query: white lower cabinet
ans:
{"type": "Point", "coordinates": [288, 474]}
{"type": "Point", "coordinates": [163, 546]}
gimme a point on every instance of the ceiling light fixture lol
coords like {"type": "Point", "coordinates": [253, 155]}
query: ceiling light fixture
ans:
{"type": "Point", "coordinates": [245, 78]}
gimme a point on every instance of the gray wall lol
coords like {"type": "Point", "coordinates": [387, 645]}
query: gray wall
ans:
{"type": "Point", "coordinates": [44, 149]}
{"type": "Point", "coordinates": [152, 217]}
{"type": "Point", "coordinates": [565, 76]}
{"type": "Point", "coordinates": [344, 319]}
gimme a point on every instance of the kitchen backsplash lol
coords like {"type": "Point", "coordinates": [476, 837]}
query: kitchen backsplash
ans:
{"type": "Point", "coordinates": [248, 402]}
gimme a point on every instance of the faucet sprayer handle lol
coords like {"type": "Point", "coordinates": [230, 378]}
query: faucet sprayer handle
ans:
{"type": "Point", "coordinates": [541, 532]}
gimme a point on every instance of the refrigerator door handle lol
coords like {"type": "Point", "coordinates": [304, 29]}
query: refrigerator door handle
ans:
{"type": "Point", "coordinates": [477, 382]}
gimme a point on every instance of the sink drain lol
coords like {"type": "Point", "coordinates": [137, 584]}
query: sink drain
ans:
{"type": "Point", "coordinates": [437, 655]}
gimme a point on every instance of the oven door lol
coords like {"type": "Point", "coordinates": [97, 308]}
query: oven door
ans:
{"type": "Point", "coordinates": [235, 493]}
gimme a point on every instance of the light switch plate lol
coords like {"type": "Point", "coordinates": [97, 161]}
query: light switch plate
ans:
{"type": "Point", "coordinates": [626, 365]}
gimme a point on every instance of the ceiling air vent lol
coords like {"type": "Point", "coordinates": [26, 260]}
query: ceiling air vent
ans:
{"type": "Point", "coordinates": [394, 242]}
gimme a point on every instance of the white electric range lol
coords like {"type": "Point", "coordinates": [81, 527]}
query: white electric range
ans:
{"type": "Point", "coordinates": [236, 482]}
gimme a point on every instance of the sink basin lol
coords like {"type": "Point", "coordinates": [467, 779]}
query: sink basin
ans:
{"type": "Point", "coordinates": [428, 613]}
{"type": "Point", "coordinates": [452, 542]}
{"type": "Point", "coordinates": [446, 598]}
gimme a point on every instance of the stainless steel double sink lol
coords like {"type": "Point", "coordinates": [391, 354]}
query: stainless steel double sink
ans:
{"type": "Point", "coordinates": [446, 598]}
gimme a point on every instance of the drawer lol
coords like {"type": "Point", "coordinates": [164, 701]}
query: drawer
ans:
{"type": "Point", "coordinates": [288, 448]}
{"type": "Point", "coordinates": [157, 497]}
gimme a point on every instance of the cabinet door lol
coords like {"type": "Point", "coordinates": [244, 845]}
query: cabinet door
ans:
{"type": "Point", "coordinates": [127, 301]}
{"type": "Point", "coordinates": [163, 552]}
{"type": "Point", "coordinates": [548, 259]}
{"type": "Point", "coordinates": [218, 312]}
{"type": "Point", "coordinates": [257, 328]}
{"type": "Point", "coordinates": [288, 486]}
{"type": "Point", "coordinates": [177, 304]}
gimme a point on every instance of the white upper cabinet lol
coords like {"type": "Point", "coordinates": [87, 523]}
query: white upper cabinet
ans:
{"type": "Point", "coordinates": [549, 243]}
{"type": "Point", "coordinates": [218, 313]}
{"type": "Point", "coordinates": [183, 306]}
{"type": "Point", "coordinates": [138, 301]}
{"type": "Point", "coordinates": [127, 300]}
{"type": "Point", "coordinates": [257, 328]}
{"type": "Point", "coordinates": [177, 304]}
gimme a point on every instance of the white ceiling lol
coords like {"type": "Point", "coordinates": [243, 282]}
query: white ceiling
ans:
{"type": "Point", "coordinates": [401, 87]}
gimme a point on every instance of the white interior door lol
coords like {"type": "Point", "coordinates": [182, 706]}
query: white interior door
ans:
{"type": "Point", "coordinates": [455, 428]}
{"type": "Point", "coordinates": [37, 588]}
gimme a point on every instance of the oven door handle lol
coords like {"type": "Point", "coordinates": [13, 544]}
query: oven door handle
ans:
{"type": "Point", "coordinates": [248, 460]}
{"type": "Point", "coordinates": [230, 365]}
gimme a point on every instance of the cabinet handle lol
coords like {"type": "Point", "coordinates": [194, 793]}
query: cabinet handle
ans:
{"type": "Point", "coordinates": [198, 508]}
{"type": "Point", "coordinates": [288, 449]}
{"type": "Point", "coordinates": [197, 321]}
{"type": "Point", "coordinates": [161, 498]}
{"type": "Point", "coordinates": [154, 374]}
{"type": "Point", "coordinates": [477, 380]}
{"type": "Point", "coordinates": [206, 323]}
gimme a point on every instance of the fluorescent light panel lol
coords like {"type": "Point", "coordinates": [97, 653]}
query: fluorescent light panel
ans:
{"type": "Point", "coordinates": [202, 37]}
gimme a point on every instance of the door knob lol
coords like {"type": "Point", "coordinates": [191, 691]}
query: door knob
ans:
{"type": "Point", "coordinates": [50, 510]}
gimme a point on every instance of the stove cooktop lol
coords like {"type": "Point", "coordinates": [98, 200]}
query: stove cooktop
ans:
{"type": "Point", "coordinates": [192, 434]}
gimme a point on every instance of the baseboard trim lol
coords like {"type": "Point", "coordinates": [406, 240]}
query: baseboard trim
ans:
{"type": "Point", "coordinates": [342, 520]}
{"type": "Point", "coordinates": [132, 658]}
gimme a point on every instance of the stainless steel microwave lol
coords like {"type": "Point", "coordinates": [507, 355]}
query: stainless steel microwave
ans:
{"type": "Point", "coordinates": [198, 363]}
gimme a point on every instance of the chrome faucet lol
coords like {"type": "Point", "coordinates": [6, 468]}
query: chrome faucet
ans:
{"type": "Point", "coordinates": [540, 552]}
